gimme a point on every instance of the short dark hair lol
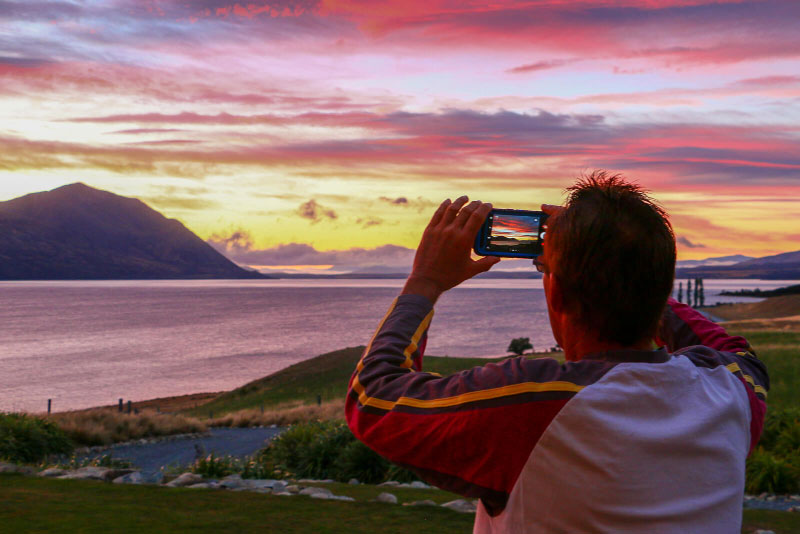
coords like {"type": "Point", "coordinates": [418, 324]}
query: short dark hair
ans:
{"type": "Point", "coordinates": [613, 251]}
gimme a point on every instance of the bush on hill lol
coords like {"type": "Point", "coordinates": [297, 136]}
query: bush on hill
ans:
{"type": "Point", "coordinates": [28, 439]}
{"type": "Point", "coordinates": [774, 466]}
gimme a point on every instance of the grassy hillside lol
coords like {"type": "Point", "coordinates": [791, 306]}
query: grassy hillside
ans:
{"type": "Point", "coordinates": [771, 308]}
{"type": "Point", "coordinates": [780, 351]}
{"type": "Point", "coordinates": [326, 375]}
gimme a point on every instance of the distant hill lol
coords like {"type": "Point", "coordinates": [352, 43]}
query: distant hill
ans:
{"type": "Point", "coordinates": [76, 232]}
{"type": "Point", "coordinates": [716, 261]}
{"type": "Point", "coordinates": [784, 266]}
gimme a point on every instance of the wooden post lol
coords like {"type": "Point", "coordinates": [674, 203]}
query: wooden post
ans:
{"type": "Point", "coordinates": [49, 405]}
{"type": "Point", "coordinates": [120, 406]}
{"type": "Point", "coordinates": [130, 407]}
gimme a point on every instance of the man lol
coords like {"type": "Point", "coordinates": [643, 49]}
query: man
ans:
{"type": "Point", "coordinates": [624, 436]}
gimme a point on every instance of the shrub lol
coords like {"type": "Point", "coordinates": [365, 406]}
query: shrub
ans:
{"type": "Point", "coordinates": [771, 473]}
{"type": "Point", "coordinates": [27, 439]}
{"type": "Point", "coordinates": [328, 450]}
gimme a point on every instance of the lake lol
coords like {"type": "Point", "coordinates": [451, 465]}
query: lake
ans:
{"type": "Point", "coordinates": [88, 343]}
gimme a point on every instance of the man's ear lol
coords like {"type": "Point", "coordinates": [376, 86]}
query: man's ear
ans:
{"type": "Point", "coordinates": [556, 294]}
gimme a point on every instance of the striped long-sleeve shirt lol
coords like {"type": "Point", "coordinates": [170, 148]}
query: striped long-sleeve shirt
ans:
{"type": "Point", "coordinates": [621, 441]}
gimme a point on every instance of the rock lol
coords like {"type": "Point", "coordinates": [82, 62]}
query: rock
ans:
{"type": "Point", "coordinates": [284, 494]}
{"type": "Point", "coordinates": [112, 474]}
{"type": "Point", "coordinates": [154, 478]}
{"type": "Point", "coordinates": [354, 481]}
{"type": "Point", "coordinates": [342, 498]}
{"type": "Point", "coordinates": [419, 485]}
{"type": "Point", "coordinates": [52, 472]}
{"type": "Point", "coordinates": [186, 479]}
{"type": "Point", "coordinates": [14, 468]}
{"type": "Point", "coordinates": [389, 483]}
{"type": "Point", "coordinates": [763, 496]}
{"type": "Point", "coordinates": [233, 482]}
{"type": "Point", "coordinates": [131, 478]}
{"type": "Point", "coordinates": [404, 485]}
{"type": "Point", "coordinates": [280, 485]}
{"type": "Point", "coordinates": [794, 497]}
{"type": "Point", "coordinates": [315, 481]}
{"type": "Point", "coordinates": [321, 496]}
{"type": "Point", "coordinates": [460, 505]}
{"type": "Point", "coordinates": [311, 490]}
{"type": "Point", "coordinates": [759, 531]}
{"type": "Point", "coordinates": [771, 498]}
{"type": "Point", "coordinates": [426, 502]}
{"type": "Point", "coordinates": [87, 473]}
{"type": "Point", "coordinates": [387, 498]}
{"type": "Point", "coordinates": [294, 488]}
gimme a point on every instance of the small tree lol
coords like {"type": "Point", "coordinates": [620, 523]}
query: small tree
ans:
{"type": "Point", "coordinates": [680, 291]}
{"type": "Point", "coordinates": [519, 345]}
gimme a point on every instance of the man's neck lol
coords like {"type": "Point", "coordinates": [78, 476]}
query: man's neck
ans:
{"type": "Point", "coordinates": [578, 343]}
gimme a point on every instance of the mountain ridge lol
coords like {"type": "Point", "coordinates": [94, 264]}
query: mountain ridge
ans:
{"type": "Point", "coordinates": [77, 232]}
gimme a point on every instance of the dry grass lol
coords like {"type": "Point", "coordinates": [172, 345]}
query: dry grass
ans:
{"type": "Point", "coordinates": [105, 426]}
{"type": "Point", "coordinates": [282, 415]}
{"type": "Point", "coordinates": [772, 308]}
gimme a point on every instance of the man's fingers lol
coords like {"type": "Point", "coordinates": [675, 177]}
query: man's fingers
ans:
{"type": "Point", "coordinates": [437, 215]}
{"type": "Point", "coordinates": [465, 213]}
{"type": "Point", "coordinates": [551, 209]}
{"type": "Point", "coordinates": [452, 210]}
{"type": "Point", "coordinates": [476, 219]}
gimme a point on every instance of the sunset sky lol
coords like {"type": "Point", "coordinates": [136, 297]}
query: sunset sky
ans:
{"type": "Point", "coordinates": [324, 133]}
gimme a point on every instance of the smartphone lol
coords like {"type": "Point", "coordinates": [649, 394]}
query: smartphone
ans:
{"type": "Point", "coordinates": [511, 234]}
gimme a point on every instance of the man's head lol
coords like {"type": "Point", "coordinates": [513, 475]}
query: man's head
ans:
{"type": "Point", "coordinates": [612, 252]}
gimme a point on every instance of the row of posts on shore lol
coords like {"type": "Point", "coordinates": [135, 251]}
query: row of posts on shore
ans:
{"type": "Point", "coordinates": [695, 296]}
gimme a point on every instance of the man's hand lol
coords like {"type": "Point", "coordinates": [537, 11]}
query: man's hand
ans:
{"type": "Point", "coordinates": [443, 256]}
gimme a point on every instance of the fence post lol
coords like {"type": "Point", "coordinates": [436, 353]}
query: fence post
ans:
{"type": "Point", "coordinates": [120, 406]}
{"type": "Point", "coordinates": [49, 404]}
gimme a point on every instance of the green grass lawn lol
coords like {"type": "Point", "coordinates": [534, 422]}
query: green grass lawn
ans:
{"type": "Point", "coordinates": [45, 505]}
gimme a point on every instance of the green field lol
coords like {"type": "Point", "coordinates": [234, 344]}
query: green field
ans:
{"type": "Point", "coordinates": [45, 505]}
{"type": "Point", "coordinates": [780, 351]}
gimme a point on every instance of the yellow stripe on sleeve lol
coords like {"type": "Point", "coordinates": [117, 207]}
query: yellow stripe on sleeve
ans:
{"type": "Point", "coordinates": [412, 347]}
{"type": "Point", "coordinates": [734, 368]}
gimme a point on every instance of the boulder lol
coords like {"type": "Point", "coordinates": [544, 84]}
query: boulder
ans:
{"type": "Point", "coordinates": [387, 498]}
{"type": "Point", "coordinates": [354, 481]}
{"type": "Point", "coordinates": [14, 468]}
{"type": "Point", "coordinates": [322, 496]}
{"type": "Point", "coordinates": [461, 505]}
{"type": "Point", "coordinates": [52, 472]}
{"type": "Point", "coordinates": [342, 498]}
{"type": "Point", "coordinates": [389, 483]}
{"type": "Point", "coordinates": [294, 488]}
{"type": "Point", "coordinates": [315, 491]}
{"type": "Point", "coordinates": [112, 474]}
{"type": "Point", "coordinates": [418, 484]}
{"type": "Point", "coordinates": [233, 482]}
{"type": "Point", "coordinates": [280, 485]}
{"type": "Point", "coordinates": [284, 494]}
{"type": "Point", "coordinates": [426, 502]}
{"type": "Point", "coordinates": [186, 479]}
{"type": "Point", "coordinates": [87, 473]}
{"type": "Point", "coordinates": [130, 478]}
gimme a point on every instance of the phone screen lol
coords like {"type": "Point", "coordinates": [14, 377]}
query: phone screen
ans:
{"type": "Point", "coordinates": [514, 233]}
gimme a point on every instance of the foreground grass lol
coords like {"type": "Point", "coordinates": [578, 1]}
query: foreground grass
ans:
{"type": "Point", "coordinates": [41, 505]}
{"type": "Point", "coordinates": [45, 505]}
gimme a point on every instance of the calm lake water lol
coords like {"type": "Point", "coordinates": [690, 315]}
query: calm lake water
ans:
{"type": "Point", "coordinates": [89, 343]}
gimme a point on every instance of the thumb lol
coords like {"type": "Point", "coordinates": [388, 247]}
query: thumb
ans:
{"type": "Point", "coordinates": [484, 264]}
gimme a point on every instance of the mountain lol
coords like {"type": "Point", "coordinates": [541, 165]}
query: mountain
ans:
{"type": "Point", "coordinates": [76, 232]}
{"type": "Point", "coordinates": [716, 262]}
{"type": "Point", "coordinates": [785, 266]}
